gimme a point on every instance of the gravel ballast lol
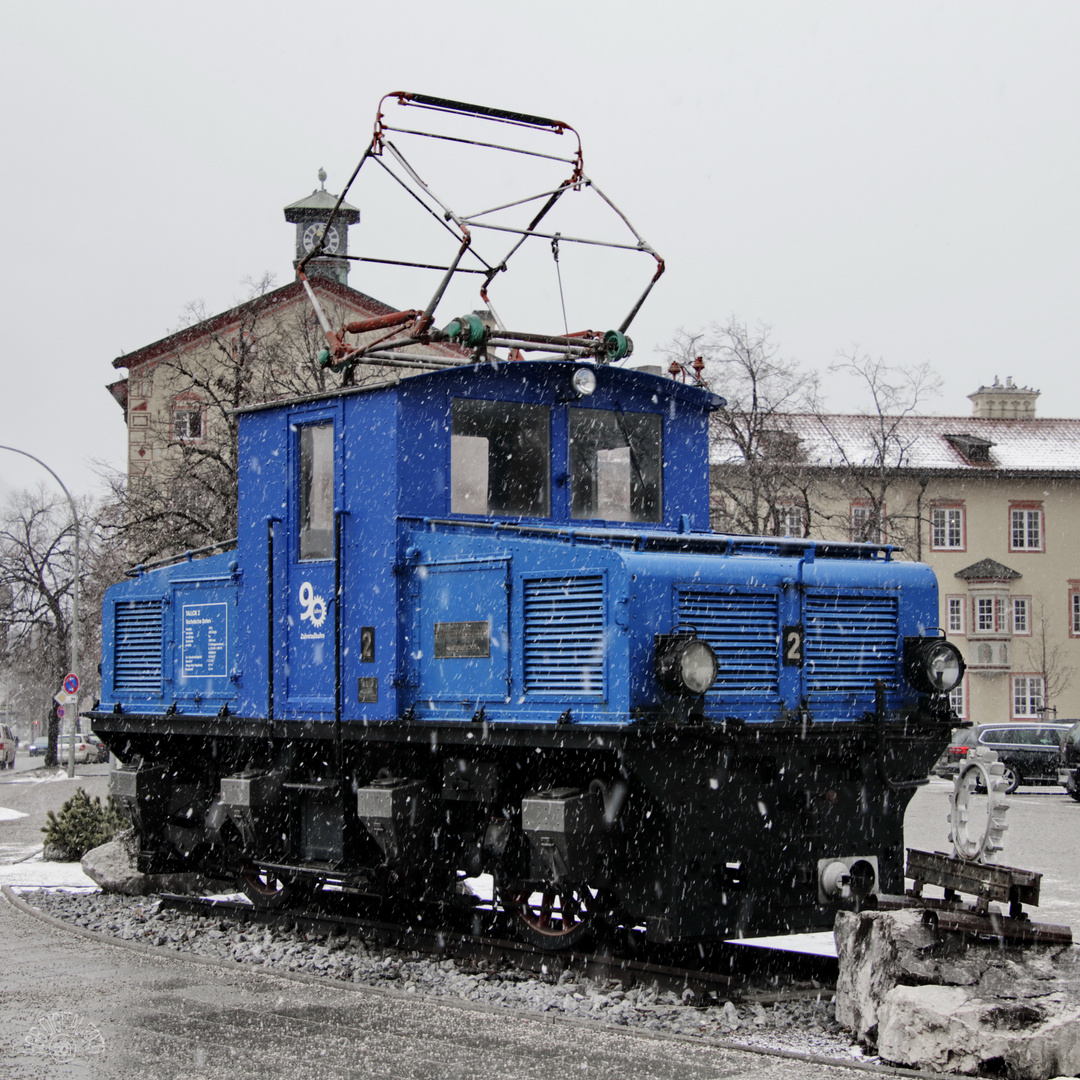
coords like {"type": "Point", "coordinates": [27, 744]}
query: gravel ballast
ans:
{"type": "Point", "coordinates": [802, 1026]}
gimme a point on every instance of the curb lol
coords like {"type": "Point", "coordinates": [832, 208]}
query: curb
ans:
{"type": "Point", "coordinates": [161, 952]}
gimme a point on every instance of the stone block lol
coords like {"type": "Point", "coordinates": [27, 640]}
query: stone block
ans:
{"type": "Point", "coordinates": [113, 867]}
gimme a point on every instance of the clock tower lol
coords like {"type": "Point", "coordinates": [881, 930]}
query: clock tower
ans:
{"type": "Point", "coordinates": [310, 216]}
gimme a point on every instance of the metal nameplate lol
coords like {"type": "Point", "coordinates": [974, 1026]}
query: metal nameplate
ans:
{"type": "Point", "coordinates": [367, 688]}
{"type": "Point", "coordinates": [462, 640]}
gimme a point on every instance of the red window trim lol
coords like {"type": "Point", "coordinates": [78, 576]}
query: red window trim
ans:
{"type": "Point", "coordinates": [1012, 619]}
{"type": "Point", "coordinates": [962, 632]}
{"type": "Point", "coordinates": [1074, 590]}
{"type": "Point", "coordinates": [1012, 692]}
{"type": "Point", "coordinates": [951, 504]}
{"type": "Point", "coordinates": [866, 503]}
{"type": "Point", "coordinates": [962, 712]}
{"type": "Point", "coordinates": [1029, 504]}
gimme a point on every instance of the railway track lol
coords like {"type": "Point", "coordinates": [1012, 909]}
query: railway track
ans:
{"type": "Point", "coordinates": [719, 973]}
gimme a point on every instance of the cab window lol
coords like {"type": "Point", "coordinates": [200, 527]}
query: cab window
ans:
{"type": "Point", "coordinates": [316, 502]}
{"type": "Point", "coordinates": [500, 458]}
{"type": "Point", "coordinates": [615, 465]}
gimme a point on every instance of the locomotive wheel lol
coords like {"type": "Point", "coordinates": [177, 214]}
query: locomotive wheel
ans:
{"type": "Point", "coordinates": [550, 916]}
{"type": "Point", "coordinates": [269, 890]}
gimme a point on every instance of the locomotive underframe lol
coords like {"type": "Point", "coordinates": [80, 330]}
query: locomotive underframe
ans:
{"type": "Point", "coordinates": [694, 831]}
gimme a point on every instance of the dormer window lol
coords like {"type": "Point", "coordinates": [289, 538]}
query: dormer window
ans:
{"type": "Point", "coordinates": [974, 449]}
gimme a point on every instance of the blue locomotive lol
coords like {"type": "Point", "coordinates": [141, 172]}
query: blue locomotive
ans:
{"type": "Point", "coordinates": [476, 623]}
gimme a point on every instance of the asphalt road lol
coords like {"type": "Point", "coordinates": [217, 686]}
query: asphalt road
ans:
{"type": "Point", "coordinates": [79, 1008]}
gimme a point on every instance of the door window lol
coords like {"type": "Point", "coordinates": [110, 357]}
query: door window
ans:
{"type": "Point", "coordinates": [316, 492]}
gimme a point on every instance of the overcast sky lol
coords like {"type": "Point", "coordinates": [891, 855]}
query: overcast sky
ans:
{"type": "Point", "coordinates": [902, 178]}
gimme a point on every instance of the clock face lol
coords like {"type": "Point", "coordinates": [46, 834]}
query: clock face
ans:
{"type": "Point", "coordinates": [312, 234]}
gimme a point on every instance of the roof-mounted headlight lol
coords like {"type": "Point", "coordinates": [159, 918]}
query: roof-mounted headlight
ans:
{"type": "Point", "coordinates": [583, 381]}
{"type": "Point", "coordinates": [933, 665]}
{"type": "Point", "coordinates": [685, 664]}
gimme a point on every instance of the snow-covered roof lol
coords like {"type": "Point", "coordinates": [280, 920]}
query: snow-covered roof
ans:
{"type": "Point", "coordinates": [925, 443]}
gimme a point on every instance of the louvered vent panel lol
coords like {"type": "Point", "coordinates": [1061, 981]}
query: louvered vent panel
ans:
{"type": "Point", "coordinates": [850, 643]}
{"type": "Point", "coordinates": [137, 653]}
{"type": "Point", "coordinates": [744, 631]}
{"type": "Point", "coordinates": [564, 636]}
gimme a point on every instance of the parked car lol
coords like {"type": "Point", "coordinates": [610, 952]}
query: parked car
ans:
{"type": "Point", "coordinates": [948, 765]}
{"type": "Point", "coordinates": [38, 747]}
{"type": "Point", "coordinates": [8, 742]}
{"type": "Point", "coordinates": [1069, 762]}
{"type": "Point", "coordinates": [1029, 750]}
{"type": "Point", "coordinates": [102, 753]}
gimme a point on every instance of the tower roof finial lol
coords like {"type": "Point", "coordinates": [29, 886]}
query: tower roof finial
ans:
{"type": "Point", "coordinates": [322, 178]}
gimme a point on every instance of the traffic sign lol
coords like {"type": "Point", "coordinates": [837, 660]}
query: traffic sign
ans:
{"type": "Point", "coordinates": [71, 684]}
{"type": "Point", "coordinates": [64, 699]}
{"type": "Point", "coordinates": [60, 712]}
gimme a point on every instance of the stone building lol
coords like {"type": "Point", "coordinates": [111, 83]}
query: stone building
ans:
{"type": "Point", "coordinates": [991, 501]}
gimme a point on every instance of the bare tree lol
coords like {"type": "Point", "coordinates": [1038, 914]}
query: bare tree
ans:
{"type": "Point", "coordinates": [265, 352]}
{"type": "Point", "coordinates": [872, 450]}
{"type": "Point", "coordinates": [759, 483]}
{"type": "Point", "coordinates": [37, 575]}
{"type": "Point", "coordinates": [1047, 657]}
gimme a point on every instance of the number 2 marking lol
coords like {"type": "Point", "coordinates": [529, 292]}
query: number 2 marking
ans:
{"type": "Point", "coordinates": [793, 646]}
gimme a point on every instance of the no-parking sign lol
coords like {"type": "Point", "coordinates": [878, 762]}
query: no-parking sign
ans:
{"type": "Point", "coordinates": [71, 684]}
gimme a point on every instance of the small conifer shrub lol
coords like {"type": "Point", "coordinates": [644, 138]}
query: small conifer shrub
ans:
{"type": "Point", "coordinates": [80, 826]}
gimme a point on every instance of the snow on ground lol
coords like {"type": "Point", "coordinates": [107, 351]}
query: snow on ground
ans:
{"type": "Point", "coordinates": [35, 873]}
{"type": "Point", "coordinates": [820, 943]}
{"type": "Point", "coordinates": [11, 815]}
{"type": "Point", "coordinates": [41, 776]}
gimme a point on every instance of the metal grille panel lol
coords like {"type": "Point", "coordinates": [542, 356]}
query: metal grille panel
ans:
{"type": "Point", "coordinates": [850, 643]}
{"type": "Point", "coordinates": [564, 636]}
{"type": "Point", "coordinates": [137, 652]}
{"type": "Point", "coordinates": [744, 631]}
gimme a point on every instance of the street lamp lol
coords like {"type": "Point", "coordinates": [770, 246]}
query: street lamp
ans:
{"type": "Point", "coordinates": [74, 597]}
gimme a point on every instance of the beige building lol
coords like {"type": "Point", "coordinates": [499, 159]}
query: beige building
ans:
{"type": "Point", "coordinates": [991, 501]}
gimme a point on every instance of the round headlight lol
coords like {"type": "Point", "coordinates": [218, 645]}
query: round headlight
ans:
{"type": "Point", "coordinates": [697, 666]}
{"type": "Point", "coordinates": [943, 666]}
{"type": "Point", "coordinates": [584, 381]}
{"type": "Point", "coordinates": [685, 665]}
{"type": "Point", "coordinates": [933, 665]}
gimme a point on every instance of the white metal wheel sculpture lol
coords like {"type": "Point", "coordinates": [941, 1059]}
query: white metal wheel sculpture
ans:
{"type": "Point", "coordinates": [977, 831]}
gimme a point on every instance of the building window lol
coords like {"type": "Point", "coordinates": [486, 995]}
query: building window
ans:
{"type": "Point", "coordinates": [947, 528]}
{"type": "Point", "coordinates": [790, 520]}
{"type": "Point", "coordinates": [1028, 696]}
{"type": "Point", "coordinates": [1021, 615]}
{"type": "Point", "coordinates": [954, 614]}
{"type": "Point", "coordinates": [1026, 527]}
{"type": "Point", "coordinates": [866, 525]}
{"type": "Point", "coordinates": [187, 421]}
{"type": "Point", "coordinates": [1074, 609]}
{"type": "Point", "coordinates": [983, 615]}
{"type": "Point", "coordinates": [958, 699]}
